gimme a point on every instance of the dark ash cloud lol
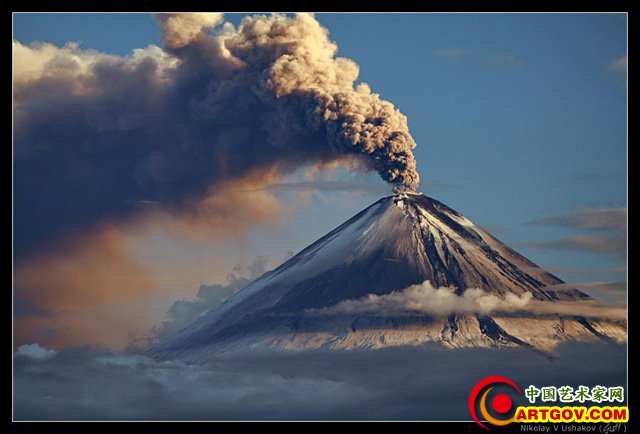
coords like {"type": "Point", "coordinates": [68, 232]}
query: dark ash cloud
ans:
{"type": "Point", "coordinates": [345, 186]}
{"type": "Point", "coordinates": [23, 307]}
{"type": "Point", "coordinates": [389, 384]}
{"type": "Point", "coordinates": [180, 141]}
{"type": "Point", "coordinates": [332, 186]}
{"type": "Point", "coordinates": [97, 135]}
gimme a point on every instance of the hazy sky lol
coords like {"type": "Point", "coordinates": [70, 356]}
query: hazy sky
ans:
{"type": "Point", "coordinates": [520, 123]}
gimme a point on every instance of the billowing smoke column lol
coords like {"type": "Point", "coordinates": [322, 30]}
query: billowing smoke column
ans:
{"type": "Point", "coordinates": [96, 135]}
{"type": "Point", "coordinates": [294, 61]}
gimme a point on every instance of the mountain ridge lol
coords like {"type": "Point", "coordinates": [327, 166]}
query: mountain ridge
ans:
{"type": "Point", "coordinates": [399, 241]}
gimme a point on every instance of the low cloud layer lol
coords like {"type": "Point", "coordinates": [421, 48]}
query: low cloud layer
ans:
{"type": "Point", "coordinates": [440, 302]}
{"type": "Point", "coordinates": [425, 298]}
{"type": "Point", "coordinates": [389, 384]}
{"type": "Point", "coordinates": [588, 308]}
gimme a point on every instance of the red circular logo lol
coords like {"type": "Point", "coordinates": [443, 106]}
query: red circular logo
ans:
{"type": "Point", "coordinates": [500, 403]}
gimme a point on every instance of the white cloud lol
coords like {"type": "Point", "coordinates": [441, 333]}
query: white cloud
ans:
{"type": "Point", "coordinates": [41, 60]}
{"type": "Point", "coordinates": [440, 302]}
{"type": "Point", "coordinates": [35, 352]}
{"type": "Point", "coordinates": [619, 65]}
{"type": "Point", "coordinates": [425, 298]}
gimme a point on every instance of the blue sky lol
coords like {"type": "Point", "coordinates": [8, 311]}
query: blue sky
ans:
{"type": "Point", "coordinates": [517, 116]}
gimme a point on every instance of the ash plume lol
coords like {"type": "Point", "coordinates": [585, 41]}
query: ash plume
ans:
{"type": "Point", "coordinates": [96, 135]}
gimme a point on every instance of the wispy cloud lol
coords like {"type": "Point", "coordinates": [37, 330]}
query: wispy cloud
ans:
{"type": "Point", "coordinates": [451, 53]}
{"type": "Point", "coordinates": [424, 298]}
{"type": "Point", "coordinates": [588, 308]}
{"type": "Point", "coordinates": [348, 186]}
{"type": "Point", "coordinates": [617, 286]}
{"type": "Point", "coordinates": [612, 222]}
{"type": "Point", "coordinates": [611, 291]}
{"type": "Point", "coordinates": [331, 185]}
{"type": "Point", "coordinates": [590, 243]}
{"type": "Point", "coordinates": [619, 65]}
{"type": "Point", "coordinates": [593, 219]}
{"type": "Point", "coordinates": [582, 271]}
{"type": "Point", "coordinates": [494, 229]}
{"type": "Point", "coordinates": [46, 333]}
{"type": "Point", "coordinates": [505, 59]}
{"type": "Point", "coordinates": [184, 312]}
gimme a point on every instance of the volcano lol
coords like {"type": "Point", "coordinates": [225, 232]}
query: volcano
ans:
{"type": "Point", "coordinates": [399, 241]}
